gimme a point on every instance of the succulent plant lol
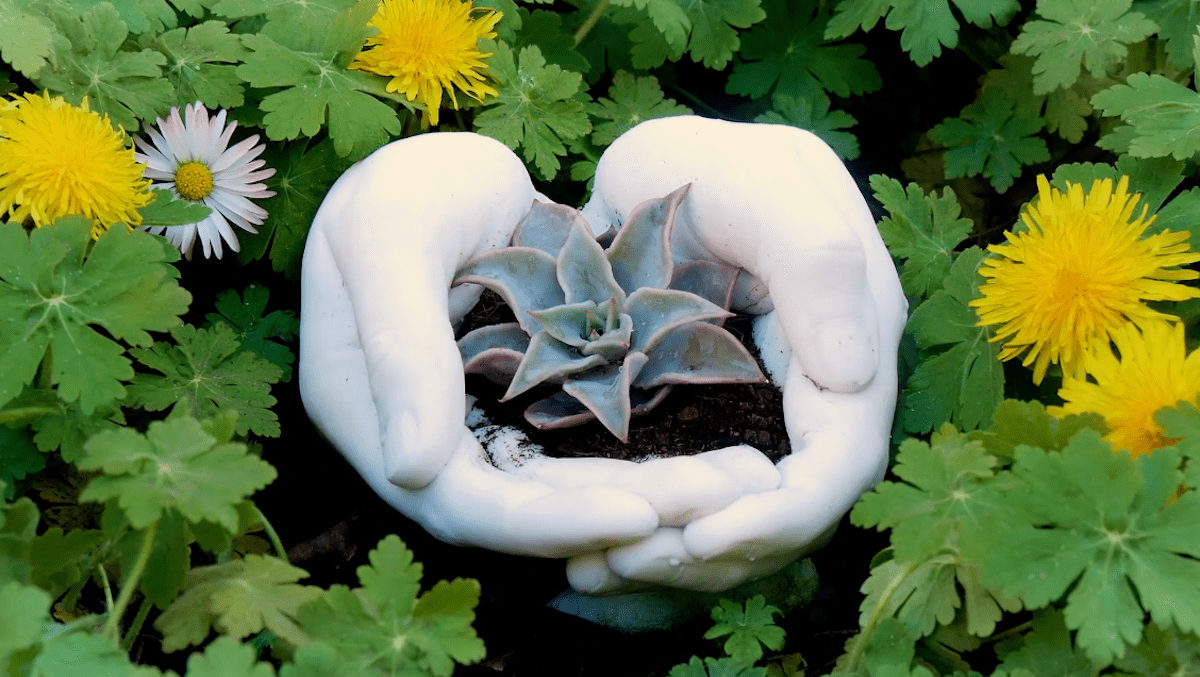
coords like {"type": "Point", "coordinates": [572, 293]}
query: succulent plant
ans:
{"type": "Point", "coordinates": [616, 327]}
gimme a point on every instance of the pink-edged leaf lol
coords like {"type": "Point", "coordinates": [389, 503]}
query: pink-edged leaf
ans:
{"type": "Point", "coordinates": [546, 227]}
{"type": "Point", "coordinates": [606, 392]}
{"type": "Point", "coordinates": [583, 270]}
{"type": "Point", "coordinates": [699, 353]}
{"type": "Point", "coordinates": [707, 279]}
{"type": "Point", "coordinates": [657, 311]}
{"type": "Point", "coordinates": [494, 351]}
{"type": "Point", "coordinates": [548, 359]}
{"type": "Point", "coordinates": [526, 278]}
{"type": "Point", "coordinates": [640, 254]}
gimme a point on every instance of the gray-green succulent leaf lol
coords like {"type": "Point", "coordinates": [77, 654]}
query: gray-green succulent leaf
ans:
{"type": "Point", "coordinates": [699, 353]}
{"type": "Point", "coordinates": [526, 278]}
{"type": "Point", "coordinates": [494, 350]}
{"type": "Point", "coordinates": [615, 327]}
{"type": "Point", "coordinates": [548, 360]}
{"type": "Point", "coordinates": [547, 226]}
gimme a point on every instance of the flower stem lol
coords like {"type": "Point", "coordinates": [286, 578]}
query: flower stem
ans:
{"type": "Point", "coordinates": [131, 582]}
{"type": "Point", "coordinates": [868, 628]}
{"type": "Point", "coordinates": [590, 22]}
{"type": "Point", "coordinates": [132, 633]}
{"type": "Point", "coordinates": [276, 542]}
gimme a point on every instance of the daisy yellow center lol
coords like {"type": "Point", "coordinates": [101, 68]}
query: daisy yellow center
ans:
{"type": "Point", "coordinates": [58, 159]}
{"type": "Point", "coordinates": [1080, 270]}
{"type": "Point", "coordinates": [1152, 372]}
{"type": "Point", "coordinates": [193, 180]}
{"type": "Point", "coordinates": [426, 47]}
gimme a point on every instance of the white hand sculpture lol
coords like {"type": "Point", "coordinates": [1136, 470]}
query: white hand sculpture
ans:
{"type": "Point", "coordinates": [777, 202]}
{"type": "Point", "coordinates": [380, 373]}
{"type": "Point", "coordinates": [382, 378]}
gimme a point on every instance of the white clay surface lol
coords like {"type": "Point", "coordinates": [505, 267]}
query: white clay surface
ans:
{"type": "Point", "coordinates": [381, 377]}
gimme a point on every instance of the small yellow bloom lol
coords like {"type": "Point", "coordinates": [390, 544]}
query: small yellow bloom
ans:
{"type": "Point", "coordinates": [58, 159]}
{"type": "Point", "coordinates": [1153, 371]}
{"type": "Point", "coordinates": [426, 46]}
{"type": "Point", "coordinates": [1079, 273]}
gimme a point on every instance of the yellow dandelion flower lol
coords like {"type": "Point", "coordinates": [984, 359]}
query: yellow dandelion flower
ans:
{"type": "Point", "coordinates": [58, 159]}
{"type": "Point", "coordinates": [426, 46]}
{"type": "Point", "coordinates": [1080, 272]}
{"type": "Point", "coordinates": [1153, 371]}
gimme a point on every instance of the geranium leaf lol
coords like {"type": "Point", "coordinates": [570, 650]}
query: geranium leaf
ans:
{"type": "Point", "coordinates": [258, 331]}
{"type": "Point", "coordinates": [993, 137]}
{"type": "Point", "coordinates": [54, 297]}
{"type": "Point", "coordinates": [200, 63]}
{"type": "Point", "coordinates": [633, 100]}
{"type": "Point", "coordinates": [208, 369]}
{"type": "Point", "coordinates": [537, 110]}
{"type": "Point", "coordinates": [175, 465]}
{"type": "Point", "coordinates": [814, 115]}
{"type": "Point", "coordinates": [1079, 33]}
{"type": "Point", "coordinates": [922, 229]}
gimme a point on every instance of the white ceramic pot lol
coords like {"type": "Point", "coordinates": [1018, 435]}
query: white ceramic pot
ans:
{"type": "Point", "coordinates": [381, 376]}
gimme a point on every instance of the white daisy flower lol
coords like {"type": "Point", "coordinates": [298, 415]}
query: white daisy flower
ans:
{"type": "Point", "coordinates": [191, 158]}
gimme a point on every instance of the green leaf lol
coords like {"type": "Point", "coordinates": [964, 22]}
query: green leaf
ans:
{"type": "Point", "coordinates": [668, 17]}
{"type": "Point", "coordinates": [716, 667]}
{"type": "Point", "coordinates": [1016, 423]}
{"type": "Point", "coordinates": [83, 654]}
{"type": "Point", "coordinates": [993, 137]}
{"type": "Point", "coordinates": [944, 490]}
{"type": "Point", "coordinates": [125, 85]}
{"type": "Point", "coordinates": [1092, 34]}
{"type": "Point", "coordinates": [55, 294]}
{"type": "Point", "coordinates": [258, 332]}
{"type": "Point", "coordinates": [208, 369]}
{"type": "Point", "coordinates": [59, 558]}
{"type": "Point", "coordinates": [200, 64]}
{"type": "Point", "coordinates": [750, 628]}
{"type": "Point", "coordinates": [1163, 652]}
{"type": "Point", "coordinates": [537, 109]}
{"type": "Point", "coordinates": [237, 598]}
{"type": "Point", "coordinates": [852, 15]}
{"type": "Point", "coordinates": [814, 115]}
{"type": "Point", "coordinates": [66, 429]}
{"type": "Point", "coordinates": [1066, 111]}
{"type": "Point", "coordinates": [545, 30]}
{"type": "Point", "coordinates": [175, 465]}
{"type": "Point", "coordinates": [926, 26]}
{"type": "Point", "coordinates": [1047, 650]}
{"type": "Point", "coordinates": [1177, 22]}
{"type": "Point", "coordinates": [18, 527]}
{"type": "Point", "coordinates": [19, 456]}
{"type": "Point", "coordinates": [1154, 179]}
{"type": "Point", "coordinates": [315, 85]}
{"type": "Point", "coordinates": [302, 176]}
{"type": "Point", "coordinates": [26, 611]}
{"type": "Point", "coordinates": [1182, 423]}
{"type": "Point", "coordinates": [922, 229]}
{"type": "Point", "coordinates": [167, 210]}
{"type": "Point", "coordinates": [633, 100]}
{"type": "Point", "coordinates": [1108, 533]}
{"type": "Point", "coordinates": [964, 383]}
{"type": "Point", "coordinates": [384, 630]}
{"type": "Point", "coordinates": [227, 657]}
{"type": "Point", "coordinates": [1163, 114]}
{"type": "Point", "coordinates": [28, 39]}
{"type": "Point", "coordinates": [714, 40]}
{"type": "Point", "coordinates": [786, 55]}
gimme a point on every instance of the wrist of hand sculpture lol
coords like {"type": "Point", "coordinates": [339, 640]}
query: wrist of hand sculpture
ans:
{"type": "Point", "coordinates": [382, 378]}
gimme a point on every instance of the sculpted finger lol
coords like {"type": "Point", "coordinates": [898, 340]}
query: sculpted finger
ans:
{"type": "Point", "coordinates": [663, 559]}
{"type": "Point", "coordinates": [397, 230]}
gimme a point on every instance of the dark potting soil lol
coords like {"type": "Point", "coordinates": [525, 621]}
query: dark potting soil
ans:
{"type": "Point", "coordinates": [692, 418]}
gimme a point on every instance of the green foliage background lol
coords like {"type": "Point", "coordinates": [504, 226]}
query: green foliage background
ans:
{"type": "Point", "coordinates": [1020, 544]}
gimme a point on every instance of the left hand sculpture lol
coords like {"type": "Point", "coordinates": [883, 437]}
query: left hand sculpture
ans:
{"type": "Point", "coordinates": [382, 378]}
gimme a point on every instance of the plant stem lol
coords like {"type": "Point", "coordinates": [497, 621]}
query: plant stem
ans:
{"type": "Point", "coordinates": [108, 599]}
{"type": "Point", "coordinates": [590, 22]}
{"type": "Point", "coordinates": [276, 542]}
{"type": "Point", "coordinates": [131, 582]}
{"type": "Point", "coordinates": [699, 103]}
{"type": "Point", "coordinates": [136, 627]}
{"type": "Point", "coordinates": [860, 642]}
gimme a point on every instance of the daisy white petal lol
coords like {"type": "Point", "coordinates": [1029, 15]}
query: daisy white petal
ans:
{"type": "Point", "coordinates": [192, 157]}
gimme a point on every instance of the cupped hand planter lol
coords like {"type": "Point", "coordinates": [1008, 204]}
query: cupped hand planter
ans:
{"type": "Point", "coordinates": [382, 376]}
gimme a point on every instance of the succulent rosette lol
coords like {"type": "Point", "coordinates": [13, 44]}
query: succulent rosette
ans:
{"type": "Point", "coordinates": [615, 326]}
